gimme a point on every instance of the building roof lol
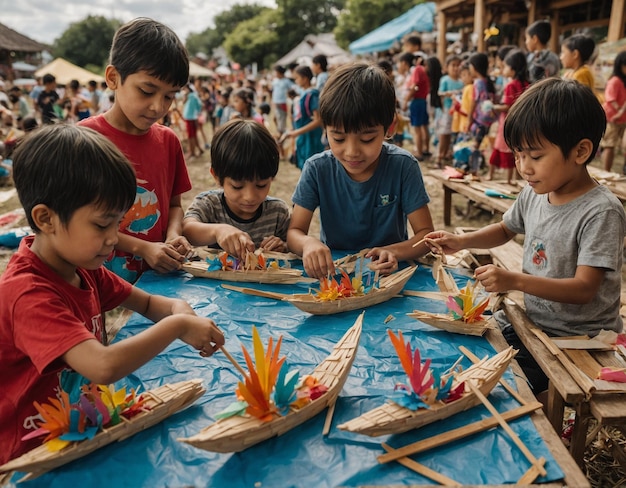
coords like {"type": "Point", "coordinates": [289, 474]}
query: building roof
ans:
{"type": "Point", "coordinates": [14, 41]}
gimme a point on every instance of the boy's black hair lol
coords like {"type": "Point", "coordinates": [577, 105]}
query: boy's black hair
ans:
{"type": "Point", "coordinates": [502, 51]}
{"type": "Point", "coordinates": [414, 41]}
{"type": "Point", "coordinates": [451, 58]}
{"type": "Point", "coordinates": [29, 123]}
{"type": "Point", "coordinates": [280, 69]}
{"type": "Point", "coordinates": [516, 59]}
{"type": "Point", "coordinates": [264, 108]}
{"type": "Point", "coordinates": [408, 58]}
{"type": "Point", "coordinates": [563, 112]}
{"type": "Point", "coordinates": [48, 78]}
{"type": "Point", "coordinates": [321, 60]}
{"type": "Point", "coordinates": [542, 29]}
{"type": "Point", "coordinates": [147, 45]}
{"type": "Point", "coordinates": [305, 71]}
{"type": "Point", "coordinates": [618, 64]}
{"type": "Point", "coordinates": [67, 167]}
{"type": "Point", "coordinates": [585, 45]}
{"type": "Point", "coordinates": [356, 97]}
{"type": "Point", "coordinates": [244, 150]}
{"type": "Point", "coordinates": [386, 66]}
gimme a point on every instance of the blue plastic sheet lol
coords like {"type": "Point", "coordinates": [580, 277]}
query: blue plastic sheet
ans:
{"type": "Point", "coordinates": [301, 457]}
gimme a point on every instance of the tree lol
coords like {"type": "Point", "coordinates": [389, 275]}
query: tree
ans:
{"type": "Point", "coordinates": [301, 17]}
{"type": "Point", "coordinates": [87, 41]}
{"type": "Point", "coordinates": [225, 23]}
{"type": "Point", "coordinates": [255, 40]}
{"type": "Point", "coordinates": [363, 16]}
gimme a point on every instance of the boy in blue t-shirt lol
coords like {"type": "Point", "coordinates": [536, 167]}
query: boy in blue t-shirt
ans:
{"type": "Point", "coordinates": [365, 188]}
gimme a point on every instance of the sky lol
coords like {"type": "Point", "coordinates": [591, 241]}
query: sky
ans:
{"type": "Point", "coordinates": [46, 20]}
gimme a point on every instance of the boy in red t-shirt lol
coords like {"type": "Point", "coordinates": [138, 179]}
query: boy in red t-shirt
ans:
{"type": "Point", "coordinates": [75, 187]}
{"type": "Point", "coordinates": [148, 66]}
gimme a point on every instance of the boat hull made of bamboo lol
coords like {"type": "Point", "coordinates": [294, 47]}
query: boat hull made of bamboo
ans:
{"type": "Point", "coordinates": [234, 434]}
{"type": "Point", "coordinates": [163, 402]}
{"type": "Point", "coordinates": [445, 322]}
{"type": "Point", "coordinates": [391, 418]}
{"type": "Point", "coordinates": [389, 286]}
{"type": "Point", "coordinates": [284, 276]}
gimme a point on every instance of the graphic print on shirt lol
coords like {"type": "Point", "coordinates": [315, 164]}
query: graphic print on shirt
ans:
{"type": "Point", "coordinates": [144, 214]}
{"type": "Point", "coordinates": [540, 259]}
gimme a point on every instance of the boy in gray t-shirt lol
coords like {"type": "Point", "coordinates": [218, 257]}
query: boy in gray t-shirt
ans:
{"type": "Point", "coordinates": [574, 228]}
{"type": "Point", "coordinates": [240, 217]}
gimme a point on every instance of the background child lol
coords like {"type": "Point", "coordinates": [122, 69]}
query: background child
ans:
{"type": "Point", "coordinates": [418, 88]}
{"type": "Point", "coordinates": [365, 188]}
{"type": "Point", "coordinates": [75, 186]}
{"type": "Point", "coordinates": [306, 119]}
{"type": "Point", "coordinates": [450, 86]}
{"type": "Point", "coordinates": [148, 66]}
{"type": "Point", "coordinates": [240, 216]}
{"type": "Point", "coordinates": [615, 108]}
{"type": "Point", "coordinates": [574, 227]}
{"type": "Point", "coordinates": [481, 107]}
{"type": "Point", "coordinates": [514, 68]}
{"type": "Point", "coordinates": [192, 107]}
{"type": "Point", "coordinates": [542, 63]}
{"type": "Point", "coordinates": [243, 105]}
{"type": "Point", "coordinates": [576, 51]}
{"type": "Point", "coordinates": [461, 106]}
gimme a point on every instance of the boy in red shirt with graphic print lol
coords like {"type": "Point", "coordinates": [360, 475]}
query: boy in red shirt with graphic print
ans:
{"type": "Point", "coordinates": [75, 187]}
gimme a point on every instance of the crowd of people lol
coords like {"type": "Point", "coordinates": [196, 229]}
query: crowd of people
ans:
{"type": "Point", "coordinates": [102, 185]}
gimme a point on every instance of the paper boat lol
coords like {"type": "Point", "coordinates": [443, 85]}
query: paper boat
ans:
{"type": "Point", "coordinates": [234, 434]}
{"type": "Point", "coordinates": [391, 418]}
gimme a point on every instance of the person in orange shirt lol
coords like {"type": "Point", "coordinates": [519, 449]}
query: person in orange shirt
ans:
{"type": "Point", "coordinates": [576, 51]}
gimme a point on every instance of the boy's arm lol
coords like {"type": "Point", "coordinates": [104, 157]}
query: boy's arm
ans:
{"type": "Point", "coordinates": [231, 239]}
{"type": "Point", "coordinates": [490, 236]}
{"type": "Point", "coordinates": [422, 223]}
{"type": "Point", "coordinates": [176, 320]}
{"type": "Point", "coordinates": [580, 289]}
{"type": "Point", "coordinates": [174, 235]}
{"type": "Point", "coordinates": [161, 257]}
{"type": "Point", "coordinates": [316, 256]}
{"type": "Point", "coordinates": [314, 124]}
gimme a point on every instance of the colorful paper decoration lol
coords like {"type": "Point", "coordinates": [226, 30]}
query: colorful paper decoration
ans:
{"type": "Point", "coordinates": [427, 385]}
{"type": "Point", "coordinates": [466, 305]}
{"type": "Point", "coordinates": [270, 388]}
{"type": "Point", "coordinates": [253, 261]}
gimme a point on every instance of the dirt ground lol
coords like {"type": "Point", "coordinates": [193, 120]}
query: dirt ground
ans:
{"type": "Point", "coordinates": [601, 468]}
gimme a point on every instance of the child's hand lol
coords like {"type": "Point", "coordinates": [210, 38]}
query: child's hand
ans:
{"type": "Point", "coordinates": [201, 333]}
{"type": "Point", "coordinates": [235, 242]}
{"type": "Point", "coordinates": [495, 279]}
{"type": "Point", "coordinates": [383, 260]}
{"type": "Point", "coordinates": [182, 246]}
{"type": "Point", "coordinates": [162, 257]}
{"type": "Point", "coordinates": [274, 243]}
{"type": "Point", "coordinates": [450, 243]}
{"type": "Point", "coordinates": [317, 259]}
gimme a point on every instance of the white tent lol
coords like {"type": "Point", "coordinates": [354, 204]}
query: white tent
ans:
{"type": "Point", "coordinates": [64, 72]}
{"type": "Point", "coordinates": [199, 71]}
{"type": "Point", "coordinates": [313, 45]}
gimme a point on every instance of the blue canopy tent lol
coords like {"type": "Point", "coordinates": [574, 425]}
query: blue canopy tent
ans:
{"type": "Point", "coordinates": [418, 19]}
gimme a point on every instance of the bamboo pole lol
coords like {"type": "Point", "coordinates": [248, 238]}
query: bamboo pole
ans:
{"type": "Point", "coordinates": [425, 471]}
{"type": "Point", "coordinates": [233, 361]}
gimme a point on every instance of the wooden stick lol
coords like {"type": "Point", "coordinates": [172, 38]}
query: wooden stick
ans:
{"type": "Point", "coordinates": [507, 428]}
{"type": "Point", "coordinates": [329, 419]}
{"type": "Point", "coordinates": [425, 471]}
{"type": "Point", "coordinates": [234, 361]}
{"type": "Point", "coordinates": [455, 434]}
{"type": "Point", "coordinates": [473, 358]}
{"type": "Point", "coordinates": [255, 292]}
{"type": "Point", "coordinates": [531, 475]}
{"type": "Point", "coordinates": [431, 295]}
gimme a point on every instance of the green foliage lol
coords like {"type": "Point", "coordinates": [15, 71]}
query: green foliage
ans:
{"type": "Point", "coordinates": [363, 16]}
{"type": "Point", "coordinates": [254, 40]}
{"type": "Point", "coordinates": [225, 23]}
{"type": "Point", "coordinates": [301, 17]}
{"type": "Point", "coordinates": [87, 42]}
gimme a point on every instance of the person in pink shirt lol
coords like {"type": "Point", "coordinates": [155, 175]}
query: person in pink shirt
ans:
{"type": "Point", "coordinates": [615, 108]}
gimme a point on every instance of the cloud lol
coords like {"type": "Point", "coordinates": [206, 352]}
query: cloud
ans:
{"type": "Point", "coordinates": [45, 20]}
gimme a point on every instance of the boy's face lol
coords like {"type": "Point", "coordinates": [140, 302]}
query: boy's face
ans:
{"type": "Point", "coordinates": [140, 101]}
{"type": "Point", "coordinates": [466, 77]}
{"type": "Point", "coordinates": [531, 43]}
{"type": "Point", "coordinates": [453, 69]}
{"type": "Point", "coordinates": [546, 169]}
{"type": "Point", "coordinates": [85, 241]}
{"type": "Point", "coordinates": [357, 152]}
{"type": "Point", "coordinates": [245, 197]}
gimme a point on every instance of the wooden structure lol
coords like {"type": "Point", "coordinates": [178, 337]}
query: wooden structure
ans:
{"type": "Point", "coordinates": [564, 15]}
{"type": "Point", "coordinates": [12, 42]}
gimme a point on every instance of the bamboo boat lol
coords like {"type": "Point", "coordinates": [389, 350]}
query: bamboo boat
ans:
{"type": "Point", "coordinates": [391, 418]}
{"type": "Point", "coordinates": [234, 434]}
{"type": "Point", "coordinates": [389, 286]}
{"type": "Point", "coordinates": [162, 402]}
{"type": "Point", "coordinates": [276, 275]}
{"type": "Point", "coordinates": [446, 322]}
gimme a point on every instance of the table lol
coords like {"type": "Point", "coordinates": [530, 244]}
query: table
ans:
{"type": "Point", "coordinates": [303, 457]}
{"type": "Point", "coordinates": [475, 192]}
{"type": "Point", "coordinates": [567, 386]}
